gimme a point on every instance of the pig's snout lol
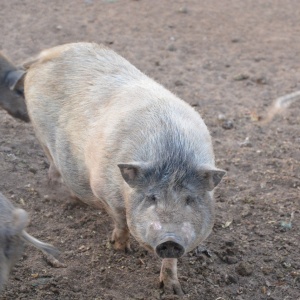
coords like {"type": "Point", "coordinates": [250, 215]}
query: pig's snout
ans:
{"type": "Point", "coordinates": [169, 249]}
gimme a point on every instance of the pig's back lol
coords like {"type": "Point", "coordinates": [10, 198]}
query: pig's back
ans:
{"type": "Point", "coordinates": [68, 89]}
{"type": "Point", "coordinates": [92, 108]}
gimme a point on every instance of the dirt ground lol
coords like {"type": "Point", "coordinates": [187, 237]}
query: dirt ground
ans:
{"type": "Point", "coordinates": [230, 60]}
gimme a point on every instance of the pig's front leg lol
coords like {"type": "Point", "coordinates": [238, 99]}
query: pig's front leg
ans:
{"type": "Point", "coordinates": [120, 235]}
{"type": "Point", "coordinates": [168, 277]}
{"type": "Point", "coordinates": [120, 239]}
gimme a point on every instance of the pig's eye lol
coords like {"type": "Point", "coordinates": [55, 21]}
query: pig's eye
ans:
{"type": "Point", "coordinates": [189, 200]}
{"type": "Point", "coordinates": [152, 198]}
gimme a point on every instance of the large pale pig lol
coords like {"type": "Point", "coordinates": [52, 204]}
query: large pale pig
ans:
{"type": "Point", "coordinates": [11, 89]}
{"type": "Point", "coordinates": [120, 140]}
{"type": "Point", "coordinates": [13, 222]}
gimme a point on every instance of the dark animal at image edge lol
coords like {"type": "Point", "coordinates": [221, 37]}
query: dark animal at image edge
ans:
{"type": "Point", "coordinates": [13, 222]}
{"type": "Point", "coordinates": [11, 89]}
{"type": "Point", "coordinates": [120, 140]}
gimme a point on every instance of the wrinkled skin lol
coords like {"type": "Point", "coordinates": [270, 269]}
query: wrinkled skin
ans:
{"type": "Point", "coordinates": [120, 140]}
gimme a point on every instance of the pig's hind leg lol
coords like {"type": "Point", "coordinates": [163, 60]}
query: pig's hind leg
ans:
{"type": "Point", "coordinates": [53, 173]}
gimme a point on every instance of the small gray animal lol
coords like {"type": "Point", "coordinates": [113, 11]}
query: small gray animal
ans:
{"type": "Point", "coordinates": [120, 140]}
{"type": "Point", "coordinates": [13, 222]}
{"type": "Point", "coordinates": [11, 89]}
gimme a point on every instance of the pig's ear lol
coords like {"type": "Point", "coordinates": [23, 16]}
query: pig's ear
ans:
{"type": "Point", "coordinates": [134, 173]}
{"type": "Point", "coordinates": [14, 79]}
{"type": "Point", "coordinates": [210, 178]}
{"type": "Point", "coordinates": [20, 220]}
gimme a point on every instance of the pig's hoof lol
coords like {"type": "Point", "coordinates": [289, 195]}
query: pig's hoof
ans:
{"type": "Point", "coordinates": [121, 246]}
{"type": "Point", "coordinates": [120, 240]}
{"type": "Point", "coordinates": [53, 174]}
{"type": "Point", "coordinates": [171, 287]}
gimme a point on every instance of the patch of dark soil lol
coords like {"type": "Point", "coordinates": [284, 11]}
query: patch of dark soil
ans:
{"type": "Point", "coordinates": [230, 60]}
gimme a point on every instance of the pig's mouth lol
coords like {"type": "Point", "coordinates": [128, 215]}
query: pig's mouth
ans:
{"type": "Point", "coordinates": [170, 248]}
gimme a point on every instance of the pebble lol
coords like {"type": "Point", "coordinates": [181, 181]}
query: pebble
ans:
{"type": "Point", "coordinates": [227, 124]}
{"type": "Point", "coordinates": [241, 77]}
{"type": "Point", "coordinates": [172, 48]}
{"type": "Point", "coordinates": [244, 269]}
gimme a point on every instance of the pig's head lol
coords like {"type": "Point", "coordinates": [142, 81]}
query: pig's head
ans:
{"type": "Point", "coordinates": [11, 244]}
{"type": "Point", "coordinates": [12, 89]}
{"type": "Point", "coordinates": [170, 211]}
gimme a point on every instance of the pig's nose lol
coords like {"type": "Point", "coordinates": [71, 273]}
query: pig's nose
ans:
{"type": "Point", "coordinates": [169, 249]}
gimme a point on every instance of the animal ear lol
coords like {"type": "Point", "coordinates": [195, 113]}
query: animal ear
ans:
{"type": "Point", "coordinates": [14, 80]}
{"type": "Point", "coordinates": [20, 220]}
{"type": "Point", "coordinates": [134, 173]}
{"type": "Point", "coordinates": [211, 177]}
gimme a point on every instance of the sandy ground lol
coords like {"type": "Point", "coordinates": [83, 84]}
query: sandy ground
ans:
{"type": "Point", "coordinates": [230, 60]}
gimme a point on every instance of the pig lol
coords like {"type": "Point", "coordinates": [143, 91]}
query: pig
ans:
{"type": "Point", "coordinates": [121, 141]}
{"type": "Point", "coordinates": [11, 89]}
{"type": "Point", "coordinates": [280, 104]}
{"type": "Point", "coordinates": [13, 222]}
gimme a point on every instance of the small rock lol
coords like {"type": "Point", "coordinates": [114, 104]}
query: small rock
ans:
{"type": "Point", "coordinates": [231, 260]}
{"type": "Point", "coordinates": [244, 269]}
{"type": "Point", "coordinates": [229, 243]}
{"type": "Point", "coordinates": [46, 198]}
{"type": "Point", "coordinates": [295, 274]}
{"type": "Point", "coordinates": [246, 143]}
{"type": "Point", "coordinates": [183, 10]}
{"type": "Point", "coordinates": [52, 261]}
{"type": "Point", "coordinates": [199, 251]}
{"type": "Point", "coordinates": [266, 270]}
{"type": "Point", "coordinates": [241, 77]}
{"type": "Point", "coordinates": [246, 211]}
{"type": "Point", "coordinates": [178, 83]}
{"type": "Point", "coordinates": [235, 40]}
{"type": "Point", "coordinates": [285, 225]}
{"type": "Point", "coordinates": [172, 48]}
{"type": "Point", "coordinates": [227, 124]}
{"type": "Point", "coordinates": [286, 264]}
{"type": "Point", "coordinates": [221, 117]}
{"type": "Point", "coordinates": [229, 279]}
{"type": "Point", "coordinates": [32, 170]}
{"type": "Point", "coordinates": [48, 214]}
{"type": "Point", "coordinates": [109, 42]}
{"type": "Point", "coordinates": [261, 80]}
{"type": "Point", "coordinates": [5, 149]}
{"type": "Point", "coordinates": [258, 59]}
{"type": "Point", "coordinates": [76, 289]}
{"type": "Point", "coordinates": [264, 289]}
{"type": "Point", "coordinates": [41, 281]}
